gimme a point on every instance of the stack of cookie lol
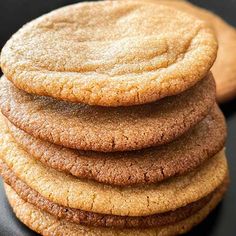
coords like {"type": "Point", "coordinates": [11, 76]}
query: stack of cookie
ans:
{"type": "Point", "coordinates": [110, 125]}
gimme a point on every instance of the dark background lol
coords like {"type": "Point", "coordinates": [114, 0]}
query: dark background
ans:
{"type": "Point", "coordinates": [222, 222]}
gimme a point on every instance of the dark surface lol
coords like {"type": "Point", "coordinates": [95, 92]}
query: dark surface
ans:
{"type": "Point", "coordinates": [222, 222]}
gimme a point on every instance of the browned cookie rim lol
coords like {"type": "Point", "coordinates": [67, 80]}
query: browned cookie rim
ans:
{"type": "Point", "coordinates": [121, 76]}
{"type": "Point", "coordinates": [225, 82]}
{"type": "Point", "coordinates": [107, 129]}
{"type": "Point", "coordinates": [64, 226]}
{"type": "Point", "coordinates": [131, 168]}
{"type": "Point", "coordinates": [95, 219]}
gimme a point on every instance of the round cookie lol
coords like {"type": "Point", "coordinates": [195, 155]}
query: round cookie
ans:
{"type": "Point", "coordinates": [224, 69]}
{"type": "Point", "coordinates": [107, 129]}
{"type": "Point", "coordinates": [105, 199]}
{"type": "Point", "coordinates": [48, 225]}
{"type": "Point", "coordinates": [110, 53]}
{"type": "Point", "coordinates": [94, 219]}
{"type": "Point", "coordinates": [137, 167]}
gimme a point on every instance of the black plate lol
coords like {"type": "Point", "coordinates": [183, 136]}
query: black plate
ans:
{"type": "Point", "coordinates": [221, 222]}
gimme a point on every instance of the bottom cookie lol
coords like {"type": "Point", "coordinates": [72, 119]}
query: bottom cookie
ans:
{"type": "Point", "coordinates": [48, 225]}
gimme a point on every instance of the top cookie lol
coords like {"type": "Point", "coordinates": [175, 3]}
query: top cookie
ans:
{"type": "Point", "coordinates": [224, 69]}
{"type": "Point", "coordinates": [110, 53]}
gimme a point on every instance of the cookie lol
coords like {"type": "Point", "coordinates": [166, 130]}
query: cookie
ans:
{"type": "Point", "coordinates": [137, 167]}
{"type": "Point", "coordinates": [107, 129]}
{"type": "Point", "coordinates": [94, 219]}
{"type": "Point", "coordinates": [105, 199]}
{"type": "Point", "coordinates": [48, 225]}
{"type": "Point", "coordinates": [224, 69]}
{"type": "Point", "coordinates": [110, 53]}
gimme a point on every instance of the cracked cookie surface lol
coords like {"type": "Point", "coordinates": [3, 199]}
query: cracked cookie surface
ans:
{"type": "Point", "coordinates": [107, 129]}
{"type": "Point", "coordinates": [94, 219]}
{"type": "Point", "coordinates": [110, 53]}
{"type": "Point", "coordinates": [224, 69]}
{"type": "Point", "coordinates": [105, 199]}
{"type": "Point", "coordinates": [136, 167]}
{"type": "Point", "coordinates": [48, 225]}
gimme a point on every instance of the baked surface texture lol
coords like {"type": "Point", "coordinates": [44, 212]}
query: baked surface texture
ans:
{"type": "Point", "coordinates": [48, 225]}
{"type": "Point", "coordinates": [146, 166]}
{"type": "Point", "coordinates": [110, 53]}
{"type": "Point", "coordinates": [224, 69]}
{"type": "Point", "coordinates": [105, 199]}
{"type": "Point", "coordinates": [94, 219]}
{"type": "Point", "coordinates": [107, 129]}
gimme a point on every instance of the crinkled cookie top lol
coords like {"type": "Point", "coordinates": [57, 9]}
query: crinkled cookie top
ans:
{"type": "Point", "coordinates": [110, 53]}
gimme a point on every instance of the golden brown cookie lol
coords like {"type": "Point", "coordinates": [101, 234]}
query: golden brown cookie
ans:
{"type": "Point", "coordinates": [110, 53]}
{"type": "Point", "coordinates": [107, 129]}
{"type": "Point", "coordinates": [48, 225]}
{"type": "Point", "coordinates": [224, 68]}
{"type": "Point", "coordinates": [105, 199]}
{"type": "Point", "coordinates": [94, 219]}
{"type": "Point", "coordinates": [137, 167]}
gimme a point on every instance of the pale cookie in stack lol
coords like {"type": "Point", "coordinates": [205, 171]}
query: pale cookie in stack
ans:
{"type": "Point", "coordinates": [224, 68]}
{"type": "Point", "coordinates": [109, 124]}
